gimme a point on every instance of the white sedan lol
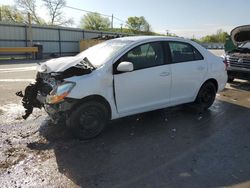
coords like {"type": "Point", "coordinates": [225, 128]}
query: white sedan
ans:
{"type": "Point", "coordinates": [126, 76]}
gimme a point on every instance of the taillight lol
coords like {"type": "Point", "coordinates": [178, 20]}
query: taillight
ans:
{"type": "Point", "coordinates": [226, 62]}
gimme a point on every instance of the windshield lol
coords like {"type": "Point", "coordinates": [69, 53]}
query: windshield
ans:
{"type": "Point", "coordinates": [100, 53]}
{"type": "Point", "coordinates": [245, 45]}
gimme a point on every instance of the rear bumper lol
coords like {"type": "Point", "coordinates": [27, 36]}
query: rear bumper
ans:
{"type": "Point", "coordinates": [241, 73]}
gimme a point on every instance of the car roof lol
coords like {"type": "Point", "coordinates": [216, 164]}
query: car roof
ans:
{"type": "Point", "coordinates": [149, 38]}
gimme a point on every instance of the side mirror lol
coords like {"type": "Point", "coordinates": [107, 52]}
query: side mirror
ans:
{"type": "Point", "coordinates": [125, 67]}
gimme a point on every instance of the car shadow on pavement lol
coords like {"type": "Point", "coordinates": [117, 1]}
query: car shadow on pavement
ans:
{"type": "Point", "coordinates": [241, 85]}
{"type": "Point", "coordinates": [175, 147]}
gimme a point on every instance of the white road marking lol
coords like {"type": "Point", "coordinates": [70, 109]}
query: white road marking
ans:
{"type": "Point", "coordinates": [20, 69]}
{"type": "Point", "coordinates": [17, 80]}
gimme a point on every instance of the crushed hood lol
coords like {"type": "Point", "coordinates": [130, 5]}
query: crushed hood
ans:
{"type": "Point", "coordinates": [240, 34]}
{"type": "Point", "coordinates": [59, 64]}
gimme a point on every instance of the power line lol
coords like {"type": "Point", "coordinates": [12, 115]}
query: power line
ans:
{"type": "Point", "coordinates": [119, 19]}
{"type": "Point", "coordinates": [110, 16]}
{"type": "Point", "coordinates": [86, 11]}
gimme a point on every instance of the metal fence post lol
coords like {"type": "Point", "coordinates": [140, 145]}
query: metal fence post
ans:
{"type": "Point", "coordinates": [26, 33]}
{"type": "Point", "coordinates": [59, 40]}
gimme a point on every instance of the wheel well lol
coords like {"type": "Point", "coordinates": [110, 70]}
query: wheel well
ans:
{"type": "Point", "coordinates": [212, 80]}
{"type": "Point", "coordinates": [99, 99]}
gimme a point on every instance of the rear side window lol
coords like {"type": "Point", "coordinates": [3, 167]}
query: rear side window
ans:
{"type": "Point", "coordinates": [184, 52]}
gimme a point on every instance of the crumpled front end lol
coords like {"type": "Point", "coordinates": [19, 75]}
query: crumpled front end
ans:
{"type": "Point", "coordinates": [29, 97]}
{"type": "Point", "coordinates": [51, 89]}
{"type": "Point", "coordinates": [35, 94]}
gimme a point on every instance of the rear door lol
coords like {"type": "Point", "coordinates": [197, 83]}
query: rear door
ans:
{"type": "Point", "coordinates": [188, 69]}
{"type": "Point", "coordinates": [148, 86]}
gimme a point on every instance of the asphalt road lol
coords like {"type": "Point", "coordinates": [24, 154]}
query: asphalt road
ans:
{"type": "Point", "coordinates": [174, 147]}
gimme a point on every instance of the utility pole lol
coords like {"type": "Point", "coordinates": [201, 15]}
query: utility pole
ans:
{"type": "Point", "coordinates": [167, 32]}
{"type": "Point", "coordinates": [30, 31]}
{"type": "Point", "coordinates": [121, 28]}
{"type": "Point", "coordinates": [112, 21]}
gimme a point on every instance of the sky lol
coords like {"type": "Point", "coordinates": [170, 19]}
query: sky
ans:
{"type": "Point", "coordinates": [186, 18]}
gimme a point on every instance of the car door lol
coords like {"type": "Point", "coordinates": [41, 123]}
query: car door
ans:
{"type": "Point", "coordinates": [147, 87]}
{"type": "Point", "coordinates": [188, 69]}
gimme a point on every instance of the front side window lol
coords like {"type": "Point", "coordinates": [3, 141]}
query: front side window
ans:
{"type": "Point", "coordinates": [146, 55]}
{"type": "Point", "coordinates": [183, 52]}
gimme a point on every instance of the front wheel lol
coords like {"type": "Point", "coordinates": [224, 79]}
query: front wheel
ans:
{"type": "Point", "coordinates": [206, 96]}
{"type": "Point", "coordinates": [88, 120]}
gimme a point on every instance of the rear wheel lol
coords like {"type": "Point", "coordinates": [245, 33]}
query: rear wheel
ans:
{"type": "Point", "coordinates": [206, 96]}
{"type": "Point", "coordinates": [88, 120]}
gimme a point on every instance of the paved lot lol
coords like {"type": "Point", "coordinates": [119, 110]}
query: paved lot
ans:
{"type": "Point", "coordinates": [175, 147]}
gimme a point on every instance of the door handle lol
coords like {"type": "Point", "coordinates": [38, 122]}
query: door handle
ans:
{"type": "Point", "coordinates": [165, 74]}
{"type": "Point", "coordinates": [200, 68]}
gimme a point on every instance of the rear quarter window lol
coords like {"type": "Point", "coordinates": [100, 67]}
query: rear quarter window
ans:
{"type": "Point", "coordinates": [184, 52]}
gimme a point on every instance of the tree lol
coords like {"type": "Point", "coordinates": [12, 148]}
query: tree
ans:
{"type": "Point", "coordinates": [54, 8]}
{"type": "Point", "coordinates": [29, 6]}
{"type": "Point", "coordinates": [11, 14]}
{"type": "Point", "coordinates": [55, 12]}
{"type": "Point", "coordinates": [94, 21]}
{"type": "Point", "coordinates": [220, 36]}
{"type": "Point", "coordinates": [138, 24]}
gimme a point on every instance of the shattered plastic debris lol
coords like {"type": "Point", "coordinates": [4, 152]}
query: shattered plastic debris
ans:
{"type": "Point", "coordinates": [200, 117]}
{"type": "Point", "coordinates": [173, 130]}
{"type": "Point", "coordinates": [215, 108]}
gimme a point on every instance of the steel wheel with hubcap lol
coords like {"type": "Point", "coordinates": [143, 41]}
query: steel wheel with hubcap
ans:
{"type": "Point", "coordinates": [88, 120]}
{"type": "Point", "coordinates": [206, 96]}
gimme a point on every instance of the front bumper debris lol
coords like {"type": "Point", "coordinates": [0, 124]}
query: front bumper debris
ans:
{"type": "Point", "coordinates": [29, 98]}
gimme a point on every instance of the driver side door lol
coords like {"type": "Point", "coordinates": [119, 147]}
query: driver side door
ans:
{"type": "Point", "coordinates": [147, 87]}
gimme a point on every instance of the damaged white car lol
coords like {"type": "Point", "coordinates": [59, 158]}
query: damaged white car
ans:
{"type": "Point", "coordinates": [124, 76]}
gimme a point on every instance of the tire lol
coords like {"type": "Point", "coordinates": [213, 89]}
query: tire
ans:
{"type": "Point", "coordinates": [206, 96]}
{"type": "Point", "coordinates": [230, 79]}
{"type": "Point", "coordinates": [88, 120]}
